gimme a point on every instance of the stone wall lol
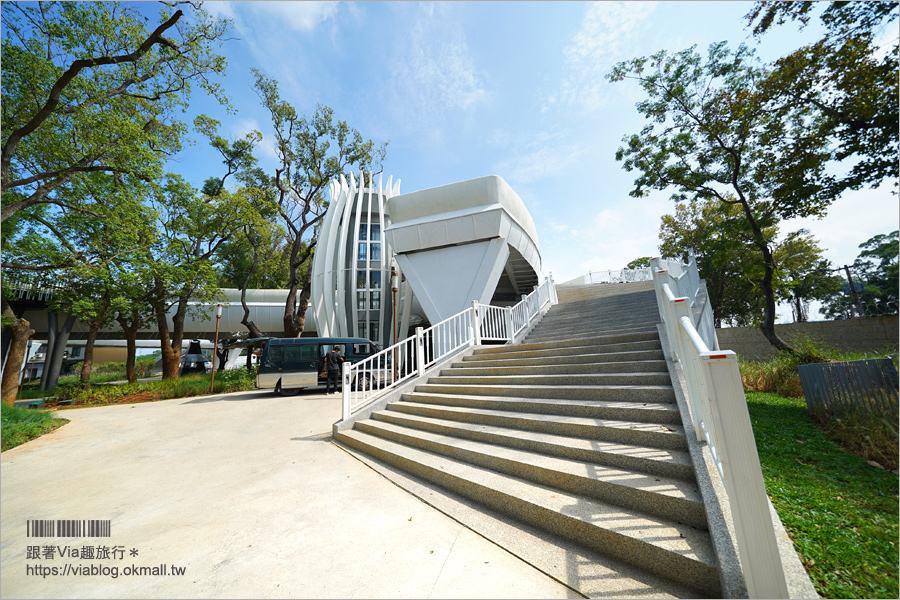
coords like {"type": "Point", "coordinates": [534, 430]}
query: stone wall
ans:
{"type": "Point", "coordinates": [875, 334]}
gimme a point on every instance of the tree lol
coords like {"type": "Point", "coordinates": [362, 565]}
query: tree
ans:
{"type": "Point", "coordinates": [716, 134]}
{"type": "Point", "coordinates": [803, 274]}
{"type": "Point", "coordinates": [87, 88]}
{"type": "Point", "coordinates": [726, 258]}
{"type": "Point", "coordinates": [639, 263]}
{"type": "Point", "coordinates": [192, 228]}
{"type": "Point", "coordinates": [878, 266]}
{"type": "Point", "coordinates": [848, 83]}
{"type": "Point", "coordinates": [306, 164]}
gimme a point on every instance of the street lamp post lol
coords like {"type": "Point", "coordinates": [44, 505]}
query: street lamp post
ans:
{"type": "Point", "coordinates": [212, 380]}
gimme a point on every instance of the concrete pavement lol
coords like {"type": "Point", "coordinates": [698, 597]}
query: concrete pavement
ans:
{"type": "Point", "coordinates": [247, 493]}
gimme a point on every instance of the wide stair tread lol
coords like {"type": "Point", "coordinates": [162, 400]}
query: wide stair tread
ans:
{"type": "Point", "coordinates": [619, 367]}
{"type": "Point", "coordinates": [659, 545]}
{"type": "Point", "coordinates": [647, 459]}
{"type": "Point", "coordinates": [587, 356]}
{"type": "Point", "coordinates": [553, 379]}
{"type": "Point", "coordinates": [653, 494]}
{"type": "Point", "coordinates": [645, 433]}
{"type": "Point", "coordinates": [635, 393]}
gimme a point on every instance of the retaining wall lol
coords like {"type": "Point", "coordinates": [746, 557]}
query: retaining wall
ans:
{"type": "Point", "coordinates": [874, 334]}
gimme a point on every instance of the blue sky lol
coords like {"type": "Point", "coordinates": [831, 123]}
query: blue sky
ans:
{"type": "Point", "coordinates": [517, 89]}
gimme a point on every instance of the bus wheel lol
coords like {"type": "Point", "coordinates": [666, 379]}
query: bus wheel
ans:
{"type": "Point", "coordinates": [286, 392]}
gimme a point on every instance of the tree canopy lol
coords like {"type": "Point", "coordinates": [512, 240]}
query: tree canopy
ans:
{"type": "Point", "coordinates": [714, 133]}
{"type": "Point", "coordinates": [94, 87]}
{"type": "Point", "coordinates": [846, 80]}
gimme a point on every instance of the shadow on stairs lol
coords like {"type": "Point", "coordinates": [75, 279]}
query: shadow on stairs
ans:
{"type": "Point", "coordinates": [566, 449]}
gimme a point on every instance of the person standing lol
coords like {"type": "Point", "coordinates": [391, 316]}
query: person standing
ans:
{"type": "Point", "coordinates": [333, 362]}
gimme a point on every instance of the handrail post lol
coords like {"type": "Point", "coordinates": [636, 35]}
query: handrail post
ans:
{"type": "Point", "coordinates": [508, 323]}
{"type": "Point", "coordinates": [476, 320]}
{"type": "Point", "coordinates": [420, 350]}
{"type": "Point", "coordinates": [758, 549]}
{"type": "Point", "coordinates": [345, 391]}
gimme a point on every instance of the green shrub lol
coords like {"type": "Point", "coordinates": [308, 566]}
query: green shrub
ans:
{"type": "Point", "coordinates": [781, 376]}
{"type": "Point", "coordinates": [20, 425]}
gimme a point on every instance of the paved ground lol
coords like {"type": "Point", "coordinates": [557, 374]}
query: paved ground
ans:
{"type": "Point", "coordinates": [248, 495]}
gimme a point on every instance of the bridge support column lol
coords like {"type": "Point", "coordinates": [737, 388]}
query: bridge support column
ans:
{"type": "Point", "coordinates": [56, 348]}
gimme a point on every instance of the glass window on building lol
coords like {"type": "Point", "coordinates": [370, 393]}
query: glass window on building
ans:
{"type": "Point", "coordinates": [361, 280]}
{"type": "Point", "coordinates": [361, 252]}
{"type": "Point", "coordinates": [360, 300]}
{"type": "Point", "coordinates": [374, 252]}
{"type": "Point", "coordinates": [361, 329]}
{"type": "Point", "coordinates": [374, 300]}
{"type": "Point", "coordinates": [376, 232]}
{"type": "Point", "coordinates": [362, 230]}
{"type": "Point", "coordinates": [373, 332]}
{"type": "Point", "coordinates": [375, 282]}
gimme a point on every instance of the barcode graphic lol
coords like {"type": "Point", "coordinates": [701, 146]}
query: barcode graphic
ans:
{"type": "Point", "coordinates": [67, 528]}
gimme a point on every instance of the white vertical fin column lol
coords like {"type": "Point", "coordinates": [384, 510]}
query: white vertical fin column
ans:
{"type": "Point", "coordinates": [354, 235]}
{"type": "Point", "coordinates": [385, 269]}
{"type": "Point", "coordinates": [368, 312]}
{"type": "Point", "coordinates": [340, 312]}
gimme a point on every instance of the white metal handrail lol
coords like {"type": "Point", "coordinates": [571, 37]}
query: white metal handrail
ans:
{"type": "Point", "coordinates": [719, 414]}
{"type": "Point", "coordinates": [618, 276]}
{"type": "Point", "coordinates": [368, 379]}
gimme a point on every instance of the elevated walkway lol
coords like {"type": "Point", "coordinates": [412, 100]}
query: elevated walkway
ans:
{"type": "Point", "coordinates": [568, 448]}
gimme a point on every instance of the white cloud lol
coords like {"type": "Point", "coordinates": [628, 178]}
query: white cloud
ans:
{"type": "Point", "coordinates": [298, 16]}
{"type": "Point", "coordinates": [435, 77]}
{"type": "Point", "coordinates": [608, 33]}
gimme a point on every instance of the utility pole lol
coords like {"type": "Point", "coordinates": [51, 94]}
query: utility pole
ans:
{"type": "Point", "coordinates": [853, 291]}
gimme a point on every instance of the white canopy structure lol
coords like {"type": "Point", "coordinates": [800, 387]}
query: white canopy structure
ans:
{"type": "Point", "coordinates": [472, 240]}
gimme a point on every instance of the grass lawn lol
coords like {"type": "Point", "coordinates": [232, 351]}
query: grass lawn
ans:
{"type": "Point", "coordinates": [20, 425]}
{"type": "Point", "coordinates": [840, 512]}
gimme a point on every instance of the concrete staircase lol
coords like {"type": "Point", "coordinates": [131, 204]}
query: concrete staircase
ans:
{"type": "Point", "coordinates": [575, 431]}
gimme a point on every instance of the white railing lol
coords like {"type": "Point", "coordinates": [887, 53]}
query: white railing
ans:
{"type": "Point", "coordinates": [719, 414]}
{"type": "Point", "coordinates": [618, 276]}
{"type": "Point", "coordinates": [365, 381]}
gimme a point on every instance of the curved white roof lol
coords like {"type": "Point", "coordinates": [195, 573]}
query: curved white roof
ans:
{"type": "Point", "coordinates": [462, 196]}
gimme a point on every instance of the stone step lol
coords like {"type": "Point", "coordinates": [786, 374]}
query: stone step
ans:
{"type": "Point", "coordinates": [586, 357]}
{"type": "Point", "coordinates": [552, 378]}
{"type": "Point", "coordinates": [645, 412]}
{"type": "Point", "coordinates": [673, 499]}
{"type": "Point", "coordinates": [581, 333]}
{"type": "Point", "coordinates": [477, 369]}
{"type": "Point", "coordinates": [654, 461]}
{"type": "Point", "coordinates": [661, 546]}
{"type": "Point", "coordinates": [602, 339]}
{"type": "Point", "coordinates": [613, 393]}
{"type": "Point", "coordinates": [669, 436]}
{"type": "Point", "coordinates": [553, 350]}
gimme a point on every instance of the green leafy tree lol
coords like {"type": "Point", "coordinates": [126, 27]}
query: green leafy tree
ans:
{"type": "Point", "coordinates": [726, 258]}
{"type": "Point", "coordinates": [311, 152]}
{"type": "Point", "coordinates": [845, 79]}
{"type": "Point", "coordinates": [192, 228]}
{"type": "Point", "coordinates": [876, 271]}
{"type": "Point", "coordinates": [639, 263]}
{"type": "Point", "coordinates": [88, 88]}
{"type": "Point", "coordinates": [714, 133]}
{"type": "Point", "coordinates": [803, 274]}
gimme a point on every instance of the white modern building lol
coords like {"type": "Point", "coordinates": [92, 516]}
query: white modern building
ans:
{"type": "Point", "coordinates": [447, 246]}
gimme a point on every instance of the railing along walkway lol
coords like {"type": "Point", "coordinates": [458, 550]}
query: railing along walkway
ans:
{"type": "Point", "coordinates": [367, 380]}
{"type": "Point", "coordinates": [719, 413]}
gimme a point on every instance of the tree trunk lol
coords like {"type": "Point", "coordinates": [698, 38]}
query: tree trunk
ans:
{"type": "Point", "coordinates": [88, 362]}
{"type": "Point", "coordinates": [768, 325]}
{"type": "Point", "coordinates": [94, 324]}
{"type": "Point", "coordinates": [170, 359]}
{"type": "Point", "coordinates": [19, 332]}
{"type": "Point", "coordinates": [130, 331]}
{"type": "Point", "coordinates": [246, 322]}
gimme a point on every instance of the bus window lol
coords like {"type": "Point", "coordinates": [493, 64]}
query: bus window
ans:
{"type": "Point", "coordinates": [275, 356]}
{"type": "Point", "coordinates": [362, 349]}
{"type": "Point", "coordinates": [326, 348]}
